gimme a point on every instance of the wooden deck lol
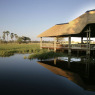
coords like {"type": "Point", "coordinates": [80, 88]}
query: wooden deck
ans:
{"type": "Point", "coordinates": [80, 47]}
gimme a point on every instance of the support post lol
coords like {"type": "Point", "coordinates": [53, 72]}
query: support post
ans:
{"type": "Point", "coordinates": [41, 43]}
{"type": "Point", "coordinates": [69, 46]}
{"type": "Point", "coordinates": [89, 37]}
{"type": "Point", "coordinates": [55, 39]}
{"type": "Point", "coordinates": [88, 42]}
{"type": "Point", "coordinates": [87, 50]}
{"type": "Point", "coordinates": [55, 61]}
{"type": "Point", "coordinates": [82, 40]}
{"type": "Point", "coordinates": [69, 59]}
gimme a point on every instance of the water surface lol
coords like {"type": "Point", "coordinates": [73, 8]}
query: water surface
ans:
{"type": "Point", "coordinates": [19, 76]}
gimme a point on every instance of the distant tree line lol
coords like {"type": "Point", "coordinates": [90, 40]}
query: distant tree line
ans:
{"type": "Point", "coordinates": [14, 38]}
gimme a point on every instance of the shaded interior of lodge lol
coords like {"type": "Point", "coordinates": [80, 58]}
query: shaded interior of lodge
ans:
{"type": "Point", "coordinates": [79, 70]}
{"type": "Point", "coordinates": [83, 27]}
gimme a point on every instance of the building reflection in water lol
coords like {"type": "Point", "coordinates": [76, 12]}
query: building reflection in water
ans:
{"type": "Point", "coordinates": [80, 70]}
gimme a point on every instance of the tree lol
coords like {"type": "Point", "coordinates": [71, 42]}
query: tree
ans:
{"type": "Point", "coordinates": [12, 36]}
{"type": "Point", "coordinates": [19, 40]}
{"type": "Point", "coordinates": [7, 32]}
{"type": "Point", "coordinates": [16, 36]}
{"type": "Point", "coordinates": [26, 39]}
{"type": "Point", "coordinates": [3, 35]}
{"type": "Point", "coordinates": [23, 39]}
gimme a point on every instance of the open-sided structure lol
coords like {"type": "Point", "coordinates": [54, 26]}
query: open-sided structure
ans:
{"type": "Point", "coordinates": [83, 26]}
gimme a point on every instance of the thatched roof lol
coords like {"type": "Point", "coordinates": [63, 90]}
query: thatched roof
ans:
{"type": "Point", "coordinates": [73, 28]}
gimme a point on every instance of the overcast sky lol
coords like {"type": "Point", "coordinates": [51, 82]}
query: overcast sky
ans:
{"type": "Point", "coordinates": [32, 17]}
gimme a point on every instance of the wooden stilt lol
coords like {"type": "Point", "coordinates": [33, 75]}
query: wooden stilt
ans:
{"type": "Point", "coordinates": [55, 61]}
{"type": "Point", "coordinates": [87, 51]}
{"type": "Point", "coordinates": [41, 43]}
{"type": "Point", "coordinates": [69, 59]}
{"type": "Point", "coordinates": [69, 46]}
{"type": "Point", "coordinates": [55, 40]}
{"type": "Point", "coordinates": [89, 38]}
{"type": "Point", "coordinates": [88, 42]}
{"type": "Point", "coordinates": [81, 40]}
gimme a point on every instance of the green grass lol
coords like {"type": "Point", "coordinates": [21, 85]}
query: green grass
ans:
{"type": "Point", "coordinates": [10, 49]}
{"type": "Point", "coordinates": [34, 48]}
{"type": "Point", "coordinates": [45, 55]}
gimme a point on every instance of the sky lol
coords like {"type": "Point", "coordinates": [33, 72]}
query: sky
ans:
{"type": "Point", "coordinates": [32, 17]}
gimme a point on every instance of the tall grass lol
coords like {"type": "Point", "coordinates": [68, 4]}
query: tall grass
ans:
{"type": "Point", "coordinates": [45, 55]}
{"type": "Point", "coordinates": [10, 49]}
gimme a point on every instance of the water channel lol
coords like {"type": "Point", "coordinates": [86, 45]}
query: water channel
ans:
{"type": "Point", "coordinates": [59, 76]}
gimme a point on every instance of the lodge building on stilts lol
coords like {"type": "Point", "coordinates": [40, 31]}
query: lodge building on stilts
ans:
{"type": "Point", "coordinates": [83, 27]}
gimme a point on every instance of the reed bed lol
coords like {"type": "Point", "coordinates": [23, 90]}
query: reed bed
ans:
{"type": "Point", "coordinates": [44, 54]}
{"type": "Point", "coordinates": [10, 49]}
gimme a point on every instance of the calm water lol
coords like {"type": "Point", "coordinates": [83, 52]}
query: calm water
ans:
{"type": "Point", "coordinates": [62, 76]}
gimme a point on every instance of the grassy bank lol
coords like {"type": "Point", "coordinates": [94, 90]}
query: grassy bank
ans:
{"type": "Point", "coordinates": [10, 49]}
{"type": "Point", "coordinates": [34, 48]}
{"type": "Point", "coordinates": [45, 55]}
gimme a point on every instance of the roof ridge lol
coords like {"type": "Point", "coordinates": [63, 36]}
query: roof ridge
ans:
{"type": "Point", "coordinates": [90, 10]}
{"type": "Point", "coordinates": [62, 23]}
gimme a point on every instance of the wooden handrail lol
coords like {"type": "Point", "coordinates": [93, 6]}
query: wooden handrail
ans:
{"type": "Point", "coordinates": [92, 46]}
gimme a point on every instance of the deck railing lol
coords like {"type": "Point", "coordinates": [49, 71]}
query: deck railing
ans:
{"type": "Point", "coordinates": [72, 46]}
{"type": "Point", "coordinates": [81, 46]}
{"type": "Point", "coordinates": [47, 45]}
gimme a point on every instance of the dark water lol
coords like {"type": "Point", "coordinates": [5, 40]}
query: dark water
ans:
{"type": "Point", "coordinates": [20, 76]}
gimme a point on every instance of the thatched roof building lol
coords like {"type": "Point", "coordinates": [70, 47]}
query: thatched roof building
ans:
{"type": "Point", "coordinates": [75, 28]}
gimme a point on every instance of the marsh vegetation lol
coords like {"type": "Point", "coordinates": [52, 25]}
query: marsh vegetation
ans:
{"type": "Point", "coordinates": [11, 48]}
{"type": "Point", "coordinates": [44, 54]}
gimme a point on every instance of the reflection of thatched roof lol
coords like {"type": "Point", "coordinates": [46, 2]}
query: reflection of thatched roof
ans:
{"type": "Point", "coordinates": [74, 27]}
{"type": "Point", "coordinates": [70, 75]}
{"type": "Point", "coordinates": [74, 77]}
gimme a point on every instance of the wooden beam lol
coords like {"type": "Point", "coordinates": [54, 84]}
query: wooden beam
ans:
{"type": "Point", "coordinates": [69, 45]}
{"type": "Point", "coordinates": [81, 40]}
{"type": "Point", "coordinates": [55, 61]}
{"type": "Point", "coordinates": [88, 41]}
{"type": "Point", "coordinates": [69, 59]}
{"type": "Point", "coordinates": [55, 40]}
{"type": "Point", "coordinates": [41, 43]}
{"type": "Point", "coordinates": [87, 51]}
{"type": "Point", "coordinates": [89, 37]}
